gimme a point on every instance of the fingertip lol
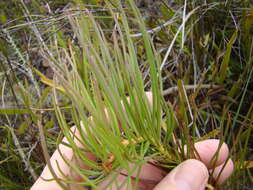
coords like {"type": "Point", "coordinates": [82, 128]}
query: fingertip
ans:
{"type": "Point", "coordinates": [222, 173]}
{"type": "Point", "coordinates": [207, 149]}
{"type": "Point", "coordinates": [189, 175]}
{"type": "Point", "coordinates": [149, 97]}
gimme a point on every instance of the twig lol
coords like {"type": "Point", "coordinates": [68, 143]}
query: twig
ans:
{"type": "Point", "coordinates": [25, 160]}
{"type": "Point", "coordinates": [188, 87]}
{"type": "Point", "coordinates": [22, 154]}
{"type": "Point", "coordinates": [176, 35]}
{"type": "Point", "coordinates": [156, 29]}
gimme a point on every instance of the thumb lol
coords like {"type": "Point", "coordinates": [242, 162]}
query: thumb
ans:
{"type": "Point", "coordinates": [189, 175]}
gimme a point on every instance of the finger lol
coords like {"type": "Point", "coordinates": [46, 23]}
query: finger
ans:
{"type": "Point", "coordinates": [46, 174]}
{"type": "Point", "coordinates": [150, 97]}
{"type": "Point", "coordinates": [149, 176]}
{"type": "Point", "coordinates": [121, 183]}
{"type": "Point", "coordinates": [189, 175]}
{"type": "Point", "coordinates": [207, 149]}
{"type": "Point", "coordinates": [68, 151]}
{"type": "Point", "coordinates": [222, 172]}
{"type": "Point", "coordinates": [57, 160]}
{"type": "Point", "coordinates": [149, 171]}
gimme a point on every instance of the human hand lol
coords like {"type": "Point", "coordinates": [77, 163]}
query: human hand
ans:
{"type": "Point", "coordinates": [189, 175]}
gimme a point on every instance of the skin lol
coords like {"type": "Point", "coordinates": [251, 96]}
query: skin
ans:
{"type": "Point", "coordinates": [191, 174]}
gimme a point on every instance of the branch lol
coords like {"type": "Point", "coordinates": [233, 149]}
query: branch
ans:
{"type": "Point", "coordinates": [188, 87]}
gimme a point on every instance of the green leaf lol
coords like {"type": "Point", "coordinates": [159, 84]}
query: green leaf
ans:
{"type": "Point", "coordinates": [45, 95]}
{"type": "Point", "coordinates": [247, 32]}
{"type": "Point", "coordinates": [235, 88]}
{"type": "Point", "coordinates": [225, 62]}
{"type": "Point", "coordinates": [22, 128]}
{"type": "Point", "coordinates": [3, 18]}
{"type": "Point", "coordinates": [13, 111]}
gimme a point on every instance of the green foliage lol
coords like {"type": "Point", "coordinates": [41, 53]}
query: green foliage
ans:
{"type": "Point", "coordinates": [224, 65]}
{"type": "Point", "coordinates": [103, 63]}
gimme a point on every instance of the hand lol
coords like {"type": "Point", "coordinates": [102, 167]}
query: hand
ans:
{"type": "Point", "coordinates": [189, 175]}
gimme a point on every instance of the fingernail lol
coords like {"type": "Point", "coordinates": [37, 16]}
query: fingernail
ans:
{"type": "Point", "coordinates": [191, 175]}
